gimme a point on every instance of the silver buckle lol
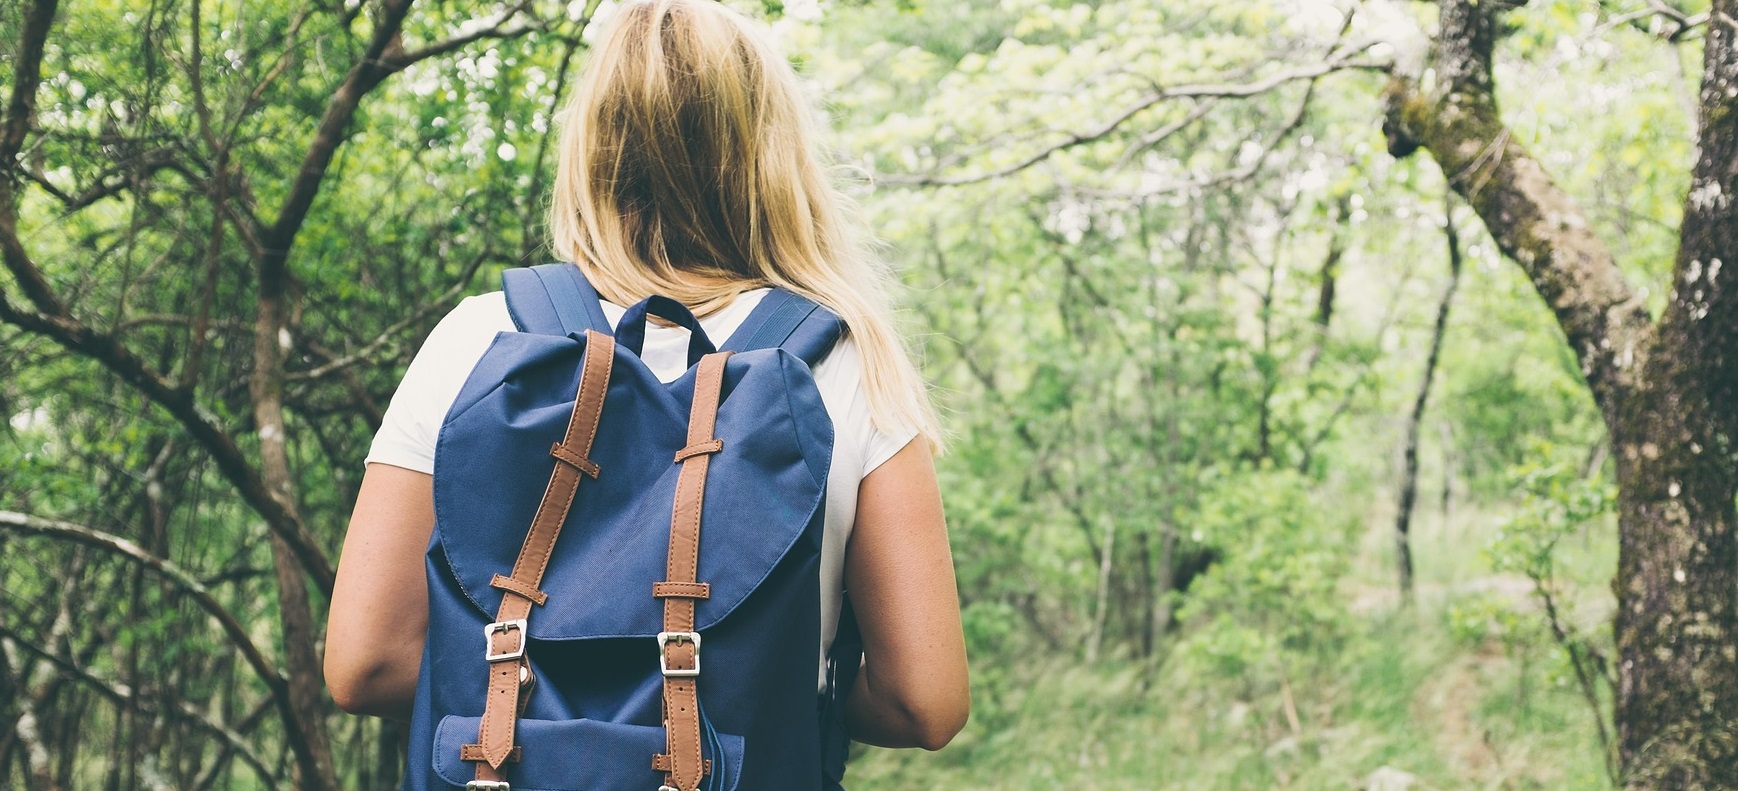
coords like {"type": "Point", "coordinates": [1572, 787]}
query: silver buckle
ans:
{"type": "Point", "coordinates": [488, 785]}
{"type": "Point", "coordinates": [664, 640]}
{"type": "Point", "coordinates": [489, 655]}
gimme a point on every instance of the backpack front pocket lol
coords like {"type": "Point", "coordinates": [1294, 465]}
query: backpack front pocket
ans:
{"type": "Point", "coordinates": [577, 755]}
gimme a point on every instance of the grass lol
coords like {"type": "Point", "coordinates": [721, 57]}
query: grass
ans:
{"type": "Point", "coordinates": [1402, 695]}
{"type": "Point", "coordinates": [1433, 691]}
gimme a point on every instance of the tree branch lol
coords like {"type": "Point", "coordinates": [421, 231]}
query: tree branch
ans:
{"type": "Point", "coordinates": [203, 426]}
{"type": "Point", "coordinates": [295, 731]}
{"type": "Point", "coordinates": [1649, 17]}
{"type": "Point", "coordinates": [20, 110]}
{"type": "Point", "coordinates": [1532, 220]}
{"type": "Point", "coordinates": [123, 695]}
{"type": "Point", "coordinates": [26, 75]}
{"type": "Point", "coordinates": [489, 31]}
{"type": "Point", "coordinates": [1339, 62]}
{"type": "Point", "coordinates": [374, 67]}
{"type": "Point", "coordinates": [369, 349]}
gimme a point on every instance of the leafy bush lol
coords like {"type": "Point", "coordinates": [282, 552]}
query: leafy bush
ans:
{"type": "Point", "coordinates": [1274, 591]}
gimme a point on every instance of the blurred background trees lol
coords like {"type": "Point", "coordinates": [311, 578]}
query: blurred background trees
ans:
{"type": "Point", "coordinates": [1212, 355]}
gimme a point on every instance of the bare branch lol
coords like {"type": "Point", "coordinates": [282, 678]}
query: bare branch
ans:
{"type": "Point", "coordinates": [374, 67]}
{"type": "Point", "coordinates": [1343, 61]}
{"type": "Point", "coordinates": [123, 695]}
{"type": "Point", "coordinates": [110, 182]}
{"type": "Point", "coordinates": [203, 426]}
{"type": "Point", "coordinates": [1656, 18]}
{"type": "Point", "coordinates": [1163, 133]}
{"type": "Point", "coordinates": [1229, 176]}
{"type": "Point", "coordinates": [496, 30]}
{"type": "Point", "coordinates": [295, 731]}
{"type": "Point", "coordinates": [369, 349]}
{"type": "Point", "coordinates": [186, 582]}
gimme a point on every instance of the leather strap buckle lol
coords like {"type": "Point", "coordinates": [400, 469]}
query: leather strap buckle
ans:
{"type": "Point", "coordinates": [664, 641]}
{"type": "Point", "coordinates": [489, 655]}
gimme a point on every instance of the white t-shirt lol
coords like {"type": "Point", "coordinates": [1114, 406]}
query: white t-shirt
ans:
{"type": "Point", "coordinates": [412, 422]}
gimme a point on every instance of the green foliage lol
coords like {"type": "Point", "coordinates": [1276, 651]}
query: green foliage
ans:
{"type": "Point", "coordinates": [1556, 501]}
{"type": "Point", "coordinates": [1274, 594]}
{"type": "Point", "coordinates": [1485, 618]}
{"type": "Point", "coordinates": [1173, 340]}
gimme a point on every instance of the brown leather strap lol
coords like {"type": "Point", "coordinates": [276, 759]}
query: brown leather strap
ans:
{"type": "Point", "coordinates": [506, 638]}
{"type": "Point", "coordinates": [679, 646]}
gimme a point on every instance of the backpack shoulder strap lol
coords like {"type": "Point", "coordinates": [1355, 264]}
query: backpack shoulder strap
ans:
{"type": "Point", "coordinates": [789, 321]}
{"type": "Point", "coordinates": [553, 299]}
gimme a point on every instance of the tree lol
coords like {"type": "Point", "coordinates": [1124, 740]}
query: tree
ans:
{"type": "Point", "coordinates": [201, 276]}
{"type": "Point", "coordinates": [1667, 387]}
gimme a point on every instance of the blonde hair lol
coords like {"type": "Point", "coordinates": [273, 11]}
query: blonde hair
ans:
{"type": "Point", "coordinates": [688, 168]}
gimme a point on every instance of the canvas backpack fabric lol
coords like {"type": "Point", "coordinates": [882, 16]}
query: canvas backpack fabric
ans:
{"type": "Point", "coordinates": [563, 656]}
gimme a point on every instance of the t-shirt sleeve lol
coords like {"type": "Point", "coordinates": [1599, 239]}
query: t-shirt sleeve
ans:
{"type": "Point", "coordinates": [413, 419]}
{"type": "Point", "coordinates": [882, 445]}
{"type": "Point", "coordinates": [840, 377]}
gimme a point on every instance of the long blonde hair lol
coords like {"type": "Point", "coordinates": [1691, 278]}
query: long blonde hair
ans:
{"type": "Point", "coordinates": [688, 168]}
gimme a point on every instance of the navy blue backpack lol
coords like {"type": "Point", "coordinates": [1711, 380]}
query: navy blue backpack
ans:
{"type": "Point", "coordinates": [623, 580]}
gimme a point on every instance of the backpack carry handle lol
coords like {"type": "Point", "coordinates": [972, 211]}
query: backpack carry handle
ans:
{"type": "Point", "coordinates": [631, 330]}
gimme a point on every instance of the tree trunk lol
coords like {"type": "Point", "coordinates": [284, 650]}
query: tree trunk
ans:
{"type": "Point", "coordinates": [1677, 569]}
{"type": "Point", "coordinates": [306, 683]}
{"type": "Point", "coordinates": [1668, 391]}
{"type": "Point", "coordinates": [1330, 278]}
{"type": "Point", "coordinates": [1677, 631]}
{"type": "Point", "coordinates": [1409, 480]}
{"type": "Point", "coordinates": [1167, 581]}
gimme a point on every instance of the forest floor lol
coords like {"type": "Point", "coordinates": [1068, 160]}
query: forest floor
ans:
{"type": "Point", "coordinates": [1464, 689]}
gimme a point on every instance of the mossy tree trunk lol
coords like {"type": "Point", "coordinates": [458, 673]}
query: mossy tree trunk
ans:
{"type": "Point", "coordinates": [1667, 388]}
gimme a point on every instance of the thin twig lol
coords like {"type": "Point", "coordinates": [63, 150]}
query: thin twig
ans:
{"type": "Point", "coordinates": [1344, 61]}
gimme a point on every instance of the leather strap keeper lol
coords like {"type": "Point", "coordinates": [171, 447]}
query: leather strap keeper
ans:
{"type": "Point", "coordinates": [509, 584]}
{"type": "Point", "coordinates": [574, 460]}
{"type": "Point", "coordinates": [474, 752]}
{"type": "Point", "coordinates": [682, 590]}
{"type": "Point", "coordinates": [696, 449]}
{"type": "Point", "coordinates": [661, 763]}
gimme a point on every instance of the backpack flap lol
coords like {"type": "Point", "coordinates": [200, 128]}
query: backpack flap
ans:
{"type": "Point", "coordinates": [764, 489]}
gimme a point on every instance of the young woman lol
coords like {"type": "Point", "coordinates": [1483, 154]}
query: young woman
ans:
{"type": "Point", "coordinates": [688, 168]}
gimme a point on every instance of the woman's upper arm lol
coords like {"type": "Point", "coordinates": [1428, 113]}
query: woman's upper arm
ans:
{"type": "Point", "coordinates": [899, 574]}
{"type": "Point", "coordinates": [376, 630]}
{"type": "Point", "coordinates": [379, 617]}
